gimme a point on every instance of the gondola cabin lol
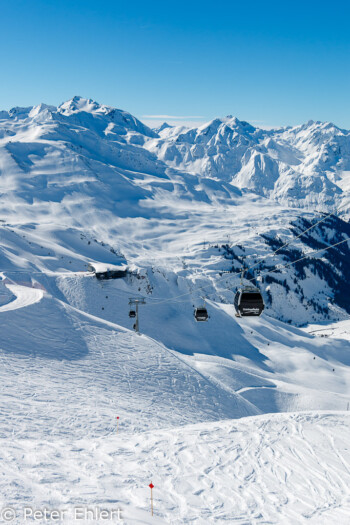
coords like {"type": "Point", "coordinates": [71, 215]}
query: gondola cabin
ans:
{"type": "Point", "coordinates": [248, 301]}
{"type": "Point", "coordinates": [132, 313]}
{"type": "Point", "coordinates": [201, 314]}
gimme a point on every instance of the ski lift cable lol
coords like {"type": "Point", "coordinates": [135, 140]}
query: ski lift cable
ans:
{"type": "Point", "coordinates": [52, 273]}
{"type": "Point", "coordinates": [199, 289]}
{"type": "Point", "coordinates": [234, 274]}
{"type": "Point", "coordinates": [295, 238]}
{"type": "Point", "coordinates": [160, 301]}
{"type": "Point", "coordinates": [202, 287]}
{"type": "Point", "coordinates": [280, 267]}
{"type": "Point", "coordinates": [277, 268]}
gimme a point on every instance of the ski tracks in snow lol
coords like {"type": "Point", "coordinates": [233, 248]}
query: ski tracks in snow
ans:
{"type": "Point", "coordinates": [274, 469]}
{"type": "Point", "coordinates": [24, 296]}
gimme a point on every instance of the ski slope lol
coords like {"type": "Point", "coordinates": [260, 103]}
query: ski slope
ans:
{"type": "Point", "coordinates": [76, 375]}
{"type": "Point", "coordinates": [24, 296]}
{"type": "Point", "coordinates": [80, 367]}
{"type": "Point", "coordinates": [59, 441]}
{"type": "Point", "coordinates": [280, 469]}
{"type": "Point", "coordinates": [340, 330]}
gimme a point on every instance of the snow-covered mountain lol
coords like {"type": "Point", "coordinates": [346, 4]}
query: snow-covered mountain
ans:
{"type": "Point", "coordinates": [307, 165]}
{"type": "Point", "coordinates": [183, 210]}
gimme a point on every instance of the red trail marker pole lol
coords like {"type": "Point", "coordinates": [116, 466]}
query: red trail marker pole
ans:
{"type": "Point", "coordinates": [117, 424]}
{"type": "Point", "coordinates": [151, 486]}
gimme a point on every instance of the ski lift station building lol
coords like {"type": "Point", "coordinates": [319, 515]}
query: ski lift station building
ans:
{"type": "Point", "coordinates": [108, 271]}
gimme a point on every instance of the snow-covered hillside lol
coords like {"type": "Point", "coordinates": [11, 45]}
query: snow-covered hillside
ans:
{"type": "Point", "coordinates": [68, 373]}
{"type": "Point", "coordinates": [180, 211]}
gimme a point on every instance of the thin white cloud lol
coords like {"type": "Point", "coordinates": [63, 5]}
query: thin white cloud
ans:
{"type": "Point", "coordinates": [172, 117]}
{"type": "Point", "coordinates": [261, 124]}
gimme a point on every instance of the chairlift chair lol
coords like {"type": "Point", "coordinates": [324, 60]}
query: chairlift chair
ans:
{"type": "Point", "coordinates": [132, 313]}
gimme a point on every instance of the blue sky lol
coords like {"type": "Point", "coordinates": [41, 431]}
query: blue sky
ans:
{"type": "Point", "coordinates": [271, 63]}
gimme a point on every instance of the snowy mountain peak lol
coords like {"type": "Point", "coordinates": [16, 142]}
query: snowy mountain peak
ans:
{"type": "Point", "coordinates": [19, 112]}
{"type": "Point", "coordinates": [163, 126]}
{"type": "Point", "coordinates": [223, 127]}
{"type": "Point", "coordinates": [316, 126]}
{"type": "Point", "coordinates": [42, 110]}
{"type": "Point", "coordinates": [122, 120]}
{"type": "Point", "coordinates": [78, 104]}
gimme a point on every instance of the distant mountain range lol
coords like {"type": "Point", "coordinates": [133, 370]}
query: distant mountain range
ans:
{"type": "Point", "coordinates": [307, 165]}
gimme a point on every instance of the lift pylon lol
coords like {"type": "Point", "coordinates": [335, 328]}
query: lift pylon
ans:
{"type": "Point", "coordinates": [135, 302]}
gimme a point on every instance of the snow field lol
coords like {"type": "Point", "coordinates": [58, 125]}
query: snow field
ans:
{"type": "Point", "coordinates": [59, 403]}
{"type": "Point", "coordinates": [275, 469]}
